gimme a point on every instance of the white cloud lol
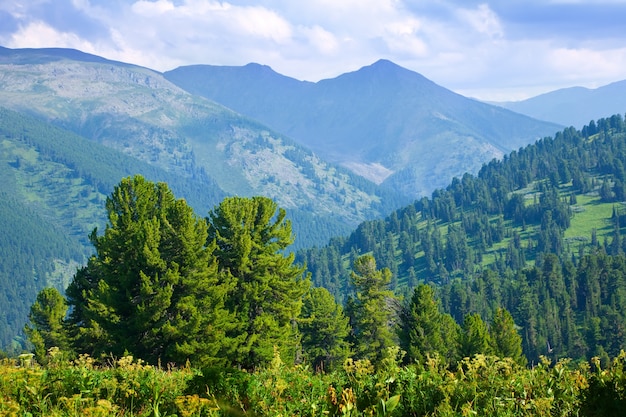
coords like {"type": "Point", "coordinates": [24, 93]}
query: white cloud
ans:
{"type": "Point", "coordinates": [483, 20]}
{"type": "Point", "coordinates": [322, 40]}
{"type": "Point", "coordinates": [577, 63]}
{"type": "Point", "coordinates": [38, 34]}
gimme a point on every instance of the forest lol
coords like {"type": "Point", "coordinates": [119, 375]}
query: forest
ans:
{"type": "Point", "coordinates": [475, 301]}
{"type": "Point", "coordinates": [539, 233]}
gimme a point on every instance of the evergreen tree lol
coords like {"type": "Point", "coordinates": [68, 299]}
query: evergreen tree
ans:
{"type": "Point", "coordinates": [372, 310]}
{"type": "Point", "coordinates": [251, 236]}
{"type": "Point", "coordinates": [152, 287]}
{"type": "Point", "coordinates": [324, 329]}
{"type": "Point", "coordinates": [47, 316]}
{"type": "Point", "coordinates": [505, 341]}
{"type": "Point", "coordinates": [425, 330]}
{"type": "Point", "coordinates": [475, 336]}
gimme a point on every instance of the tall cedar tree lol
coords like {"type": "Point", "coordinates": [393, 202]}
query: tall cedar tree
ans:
{"type": "Point", "coordinates": [152, 288]}
{"type": "Point", "coordinates": [324, 329]}
{"type": "Point", "coordinates": [251, 235]}
{"type": "Point", "coordinates": [425, 330]}
{"type": "Point", "coordinates": [373, 311]}
{"type": "Point", "coordinates": [47, 317]}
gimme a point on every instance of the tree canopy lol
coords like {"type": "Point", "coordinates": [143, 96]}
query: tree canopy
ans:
{"type": "Point", "coordinates": [251, 235]}
{"type": "Point", "coordinates": [152, 288]}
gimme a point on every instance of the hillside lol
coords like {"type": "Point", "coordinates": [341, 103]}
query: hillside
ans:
{"type": "Point", "coordinates": [55, 184]}
{"type": "Point", "coordinates": [575, 106]}
{"type": "Point", "coordinates": [384, 122]}
{"type": "Point", "coordinates": [138, 112]}
{"type": "Point", "coordinates": [533, 233]}
{"type": "Point", "coordinates": [578, 176]}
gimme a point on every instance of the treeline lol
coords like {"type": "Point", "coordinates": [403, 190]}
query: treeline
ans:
{"type": "Point", "coordinates": [450, 233]}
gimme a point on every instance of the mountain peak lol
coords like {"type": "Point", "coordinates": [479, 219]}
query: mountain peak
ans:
{"type": "Point", "coordinates": [256, 67]}
{"type": "Point", "coordinates": [385, 63]}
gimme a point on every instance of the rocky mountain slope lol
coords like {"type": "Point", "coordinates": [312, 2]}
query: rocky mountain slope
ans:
{"type": "Point", "coordinates": [137, 111]}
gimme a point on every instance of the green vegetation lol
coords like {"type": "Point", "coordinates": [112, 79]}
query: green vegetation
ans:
{"type": "Point", "coordinates": [223, 295]}
{"type": "Point", "coordinates": [540, 233]}
{"type": "Point", "coordinates": [54, 187]}
{"type": "Point", "coordinates": [482, 385]}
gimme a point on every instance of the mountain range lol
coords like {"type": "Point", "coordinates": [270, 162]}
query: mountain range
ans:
{"type": "Point", "coordinates": [384, 122]}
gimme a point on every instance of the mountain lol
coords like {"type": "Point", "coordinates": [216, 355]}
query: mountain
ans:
{"type": "Point", "coordinates": [384, 122]}
{"type": "Point", "coordinates": [137, 111]}
{"type": "Point", "coordinates": [575, 106]}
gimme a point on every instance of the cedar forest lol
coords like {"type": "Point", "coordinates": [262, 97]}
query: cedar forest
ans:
{"type": "Point", "coordinates": [490, 297]}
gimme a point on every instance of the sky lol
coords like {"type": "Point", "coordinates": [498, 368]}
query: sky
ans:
{"type": "Point", "coordinates": [491, 50]}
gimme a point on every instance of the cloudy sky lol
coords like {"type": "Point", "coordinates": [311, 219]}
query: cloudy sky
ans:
{"type": "Point", "coordinates": [493, 50]}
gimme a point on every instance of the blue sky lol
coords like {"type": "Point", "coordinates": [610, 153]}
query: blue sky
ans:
{"type": "Point", "coordinates": [493, 50]}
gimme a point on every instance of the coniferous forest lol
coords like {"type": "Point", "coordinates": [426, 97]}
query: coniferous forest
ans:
{"type": "Point", "coordinates": [503, 294]}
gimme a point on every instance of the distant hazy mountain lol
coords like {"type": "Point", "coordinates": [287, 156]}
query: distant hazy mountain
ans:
{"type": "Point", "coordinates": [384, 122]}
{"type": "Point", "coordinates": [137, 111]}
{"type": "Point", "coordinates": [575, 106]}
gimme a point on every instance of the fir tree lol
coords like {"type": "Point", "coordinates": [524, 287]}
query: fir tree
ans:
{"type": "Point", "coordinates": [505, 340]}
{"type": "Point", "coordinates": [251, 236]}
{"type": "Point", "coordinates": [152, 287]}
{"type": "Point", "coordinates": [47, 316]}
{"type": "Point", "coordinates": [324, 329]}
{"type": "Point", "coordinates": [373, 310]}
{"type": "Point", "coordinates": [425, 331]}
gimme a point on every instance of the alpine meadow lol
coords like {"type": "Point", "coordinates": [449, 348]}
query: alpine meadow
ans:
{"type": "Point", "coordinates": [228, 241]}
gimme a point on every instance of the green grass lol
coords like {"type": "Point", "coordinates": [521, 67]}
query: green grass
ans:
{"type": "Point", "coordinates": [590, 213]}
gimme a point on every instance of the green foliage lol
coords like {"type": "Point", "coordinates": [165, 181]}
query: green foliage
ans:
{"type": "Point", "coordinates": [324, 330]}
{"type": "Point", "coordinates": [606, 395]}
{"type": "Point", "coordinates": [47, 316]}
{"type": "Point", "coordinates": [426, 332]}
{"type": "Point", "coordinates": [152, 288]}
{"type": "Point", "coordinates": [505, 340]}
{"type": "Point", "coordinates": [475, 338]}
{"type": "Point", "coordinates": [251, 235]}
{"type": "Point", "coordinates": [482, 385]}
{"type": "Point", "coordinates": [373, 310]}
{"type": "Point", "coordinates": [515, 236]}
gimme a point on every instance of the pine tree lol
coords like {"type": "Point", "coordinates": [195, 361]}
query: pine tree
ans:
{"type": "Point", "coordinates": [324, 329]}
{"type": "Point", "coordinates": [47, 316]}
{"type": "Point", "coordinates": [251, 235]}
{"type": "Point", "coordinates": [475, 337]}
{"type": "Point", "coordinates": [505, 340]}
{"type": "Point", "coordinates": [425, 330]}
{"type": "Point", "coordinates": [152, 287]}
{"type": "Point", "coordinates": [373, 310]}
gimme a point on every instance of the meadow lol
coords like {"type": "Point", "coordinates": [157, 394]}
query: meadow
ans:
{"type": "Point", "coordinates": [482, 385]}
